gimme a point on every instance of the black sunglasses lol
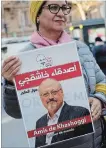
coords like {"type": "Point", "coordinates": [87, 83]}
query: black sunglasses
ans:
{"type": "Point", "coordinates": [55, 8]}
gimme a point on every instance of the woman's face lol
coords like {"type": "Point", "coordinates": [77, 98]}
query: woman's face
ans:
{"type": "Point", "coordinates": [50, 21]}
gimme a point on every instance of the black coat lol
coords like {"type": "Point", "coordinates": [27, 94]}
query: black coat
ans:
{"type": "Point", "coordinates": [68, 113]}
{"type": "Point", "coordinates": [99, 53]}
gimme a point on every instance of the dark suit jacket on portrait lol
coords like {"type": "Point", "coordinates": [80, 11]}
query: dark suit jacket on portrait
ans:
{"type": "Point", "coordinates": [67, 113]}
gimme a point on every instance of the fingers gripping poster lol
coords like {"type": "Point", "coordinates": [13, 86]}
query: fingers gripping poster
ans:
{"type": "Point", "coordinates": [52, 95]}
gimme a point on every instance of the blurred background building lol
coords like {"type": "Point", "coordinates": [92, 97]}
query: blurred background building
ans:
{"type": "Point", "coordinates": [85, 23]}
{"type": "Point", "coordinates": [15, 17]}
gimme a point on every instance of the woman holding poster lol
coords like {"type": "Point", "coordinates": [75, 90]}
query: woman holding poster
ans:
{"type": "Point", "coordinates": [51, 18]}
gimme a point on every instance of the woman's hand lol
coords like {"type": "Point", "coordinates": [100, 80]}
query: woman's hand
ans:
{"type": "Point", "coordinates": [10, 67]}
{"type": "Point", "coordinates": [96, 108]}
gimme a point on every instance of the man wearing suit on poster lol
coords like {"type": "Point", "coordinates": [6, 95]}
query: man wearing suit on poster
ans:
{"type": "Point", "coordinates": [52, 97]}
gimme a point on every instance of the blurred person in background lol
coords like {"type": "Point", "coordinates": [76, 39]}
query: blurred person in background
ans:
{"type": "Point", "coordinates": [98, 41]}
{"type": "Point", "coordinates": [6, 29]}
{"type": "Point", "coordinates": [50, 18]}
{"type": "Point", "coordinates": [99, 52]}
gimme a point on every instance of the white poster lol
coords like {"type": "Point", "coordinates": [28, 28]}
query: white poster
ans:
{"type": "Point", "coordinates": [52, 95]}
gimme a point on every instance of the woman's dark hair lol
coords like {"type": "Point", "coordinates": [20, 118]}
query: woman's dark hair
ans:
{"type": "Point", "coordinates": [39, 12]}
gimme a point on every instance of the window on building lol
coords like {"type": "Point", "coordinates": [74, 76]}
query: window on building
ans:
{"type": "Point", "coordinates": [25, 18]}
{"type": "Point", "coordinates": [94, 32]}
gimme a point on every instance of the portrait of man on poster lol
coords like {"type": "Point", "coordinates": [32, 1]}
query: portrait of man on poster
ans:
{"type": "Point", "coordinates": [52, 97]}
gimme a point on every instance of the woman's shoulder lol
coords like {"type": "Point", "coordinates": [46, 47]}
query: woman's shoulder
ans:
{"type": "Point", "coordinates": [28, 47]}
{"type": "Point", "coordinates": [82, 47]}
{"type": "Point", "coordinates": [84, 51]}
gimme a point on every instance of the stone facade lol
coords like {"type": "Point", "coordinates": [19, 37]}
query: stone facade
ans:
{"type": "Point", "coordinates": [15, 15]}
